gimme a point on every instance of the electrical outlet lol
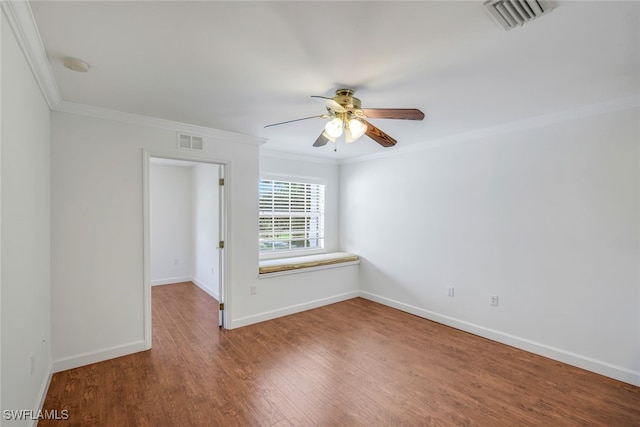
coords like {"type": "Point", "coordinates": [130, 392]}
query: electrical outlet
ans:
{"type": "Point", "coordinates": [253, 290]}
{"type": "Point", "coordinates": [494, 300]}
{"type": "Point", "coordinates": [450, 291]}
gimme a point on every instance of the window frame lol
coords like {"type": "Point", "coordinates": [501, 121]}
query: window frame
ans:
{"type": "Point", "coordinates": [301, 180]}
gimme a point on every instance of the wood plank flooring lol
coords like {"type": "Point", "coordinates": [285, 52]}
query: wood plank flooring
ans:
{"type": "Point", "coordinates": [355, 363]}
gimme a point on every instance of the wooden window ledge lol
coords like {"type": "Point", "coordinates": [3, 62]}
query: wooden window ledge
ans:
{"type": "Point", "coordinates": [269, 267]}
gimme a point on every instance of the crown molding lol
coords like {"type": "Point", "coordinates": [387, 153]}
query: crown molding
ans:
{"type": "Point", "coordinates": [137, 119]}
{"type": "Point", "coordinates": [23, 25]}
{"type": "Point", "coordinates": [618, 104]}
{"type": "Point", "coordinates": [283, 155]}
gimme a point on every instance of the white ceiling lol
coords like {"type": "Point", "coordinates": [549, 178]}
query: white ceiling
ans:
{"type": "Point", "coordinates": [238, 66]}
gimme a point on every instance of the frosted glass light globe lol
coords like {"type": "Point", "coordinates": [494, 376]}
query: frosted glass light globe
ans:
{"type": "Point", "coordinates": [334, 127]}
{"type": "Point", "coordinates": [357, 128]}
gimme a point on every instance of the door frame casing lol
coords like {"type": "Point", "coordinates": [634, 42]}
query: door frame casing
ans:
{"type": "Point", "coordinates": [223, 221]}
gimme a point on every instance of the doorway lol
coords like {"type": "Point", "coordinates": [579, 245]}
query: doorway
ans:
{"type": "Point", "coordinates": [184, 224]}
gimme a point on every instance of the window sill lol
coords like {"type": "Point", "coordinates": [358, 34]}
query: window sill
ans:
{"type": "Point", "coordinates": [278, 255]}
{"type": "Point", "coordinates": [278, 267]}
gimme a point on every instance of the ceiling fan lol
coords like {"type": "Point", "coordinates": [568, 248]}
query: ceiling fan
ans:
{"type": "Point", "coordinates": [349, 118]}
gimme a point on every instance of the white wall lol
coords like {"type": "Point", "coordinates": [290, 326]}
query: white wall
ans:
{"type": "Point", "coordinates": [25, 279]}
{"type": "Point", "coordinates": [171, 215]}
{"type": "Point", "coordinates": [545, 218]}
{"type": "Point", "coordinates": [278, 296]}
{"type": "Point", "coordinates": [287, 165]}
{"type": "Point", "coordinates": [97, 223]}
{"type": "Point", "coordinates": [282, 295]}
{"type": "Point", "coordinates": [184, 214]}
{"type": "Point", "coordinates": [206, 265]}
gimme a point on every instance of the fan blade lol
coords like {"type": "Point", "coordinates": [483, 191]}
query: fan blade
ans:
{"type": "Point", "coordinates": [322, 116]}
{"type": "Point", "coordinates": [393, 113]}
{"type": "Point", "coordinates": [330, 103]}
{"type": "Point", "coordinates": [378, 136]}
{"type": "Point", "coordinates": [323, 139]}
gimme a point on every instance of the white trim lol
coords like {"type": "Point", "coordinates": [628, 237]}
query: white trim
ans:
{"type": "Point", "coordinates": [226, 235]}
{"type": "Point", "coordinates": [187, 156]}
{"type": "Point", "coordinates": [574, 359]}
{"type": "Point", "coordinates": [290, 253]}
{"type": "Point", "coordinates": [24, 27]}
{"type": "Point", "coordinates": [265, 152]}
{"type": "Point", "coordinates": [225, 279]}
{"type": "Point", "coordinates": [22, 22]}
{"type": "Point", "coordinates": [44, 388]}
{"type": "Point", "coordinates": [137, 119]}
{"type": "Point", "coordinates": [285, 311]}
{"type": "Point", "coordinates": [146, 250]}
{"type": "Point", "coordinates": [171, 280]}
{"type": "Point", "coordinates": [288, 177]}
{"type": "Point", "coordinates": [515, 126]}
{"type": "Point", "coordinates": [1, 150]}
{"type": "Point", "coordinates": [175, 280]}
{"type": "Point", "coordinates": [83, 359]}
{"type": "Point", "coordinates": [211, 292]}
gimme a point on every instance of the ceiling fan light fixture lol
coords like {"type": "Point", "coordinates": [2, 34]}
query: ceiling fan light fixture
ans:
{"type": "Point", "coordinates": [349, 118]}
{"type": "Point", "coordinates": [348, 137]}
{"type": "Point", "coordinates": [357, 128]}
{"type": "Point", "coordinates": [334, 127]}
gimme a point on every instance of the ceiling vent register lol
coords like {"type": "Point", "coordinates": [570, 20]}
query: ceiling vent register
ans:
{"type": "Point", "coordinates": [190, 142]}
{"type": "Point", "coordinates": [514, 13]}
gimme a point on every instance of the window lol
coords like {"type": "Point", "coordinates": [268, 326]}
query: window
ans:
{"type": "Point", "coordinates": [291, 216]}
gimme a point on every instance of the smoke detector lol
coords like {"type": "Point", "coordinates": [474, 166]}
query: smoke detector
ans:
{"type": "Point", "coordinates": [514, 13]}
{"type": "Point", "coordinates": [75, 64]}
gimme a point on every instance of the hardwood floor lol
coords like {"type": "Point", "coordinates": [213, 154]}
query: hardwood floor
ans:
{"type": "Point", "coordinates": [354, 363]}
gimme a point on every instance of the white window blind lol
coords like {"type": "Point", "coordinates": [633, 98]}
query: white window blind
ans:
{"type": "Point", "coordinates": [291, 216]}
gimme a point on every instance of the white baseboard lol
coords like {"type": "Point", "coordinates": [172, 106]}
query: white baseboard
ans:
{"type": "Point", "coordinates": [285, 311]}
{"type": "Point", "coordinates": [207, 289]}
{"type": "Point", "coordinates": [44, 388]}
{"type": "Point", "coordinates": [603, 368]}
{"type": "Point", "coordinates": [171, 280]}
{"type": "Point", "coordinates": [97, 356]}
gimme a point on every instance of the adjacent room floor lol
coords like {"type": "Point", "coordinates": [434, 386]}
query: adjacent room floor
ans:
{"type": "Point", "coordinates": [355, 363]}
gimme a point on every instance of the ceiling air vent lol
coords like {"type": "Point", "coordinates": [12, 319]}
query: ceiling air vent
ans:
{"type": "Point", "coordinates": [512, 13]}
{"type": "Point", "coordinates": [190, 142]}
